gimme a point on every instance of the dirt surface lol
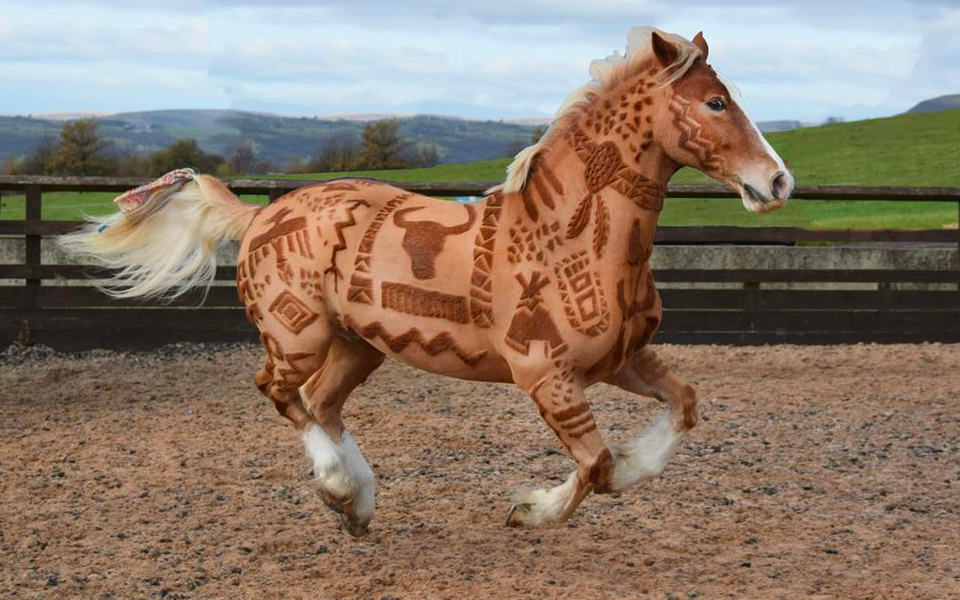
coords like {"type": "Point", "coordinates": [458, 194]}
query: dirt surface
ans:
{"type": "Point", "coordinates": [816, 472]}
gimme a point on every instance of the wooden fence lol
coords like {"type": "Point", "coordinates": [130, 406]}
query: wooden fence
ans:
{"type": "Point", "coordinates": [752, 311]}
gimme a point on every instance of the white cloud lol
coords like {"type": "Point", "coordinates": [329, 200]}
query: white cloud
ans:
{"type": "Point", "coordinates": [76, 40]}
{"type": "Point", "coordinates": [937, 62]}
{"type": "Point", "coordinates": [793, 59]}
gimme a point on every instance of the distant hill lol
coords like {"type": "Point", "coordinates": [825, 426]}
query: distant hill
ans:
{"type": "Point", "coordinates": [278, 138]}
{"type": "Point", "coordinates": [939, 103]}
{"type": "Point", "coordinates": [773, 126]}
{"type": "Point", "coordinates": [275, 138]}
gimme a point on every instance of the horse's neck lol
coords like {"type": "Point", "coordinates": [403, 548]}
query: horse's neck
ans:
{"type": "Point", "coordinates": [587, 177]}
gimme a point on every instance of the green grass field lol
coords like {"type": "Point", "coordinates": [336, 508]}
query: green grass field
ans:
{"type": "Point", "coordinates": [906, 150]}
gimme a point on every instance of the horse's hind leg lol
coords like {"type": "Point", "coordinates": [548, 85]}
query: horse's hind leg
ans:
{"type": "Point", "coordinates": [346, 480]}
{"type": "Point", "coordinates": [290, 361]}
{"type": "Point", "coordinates": [562, 404]}
{"type": "Point", "coordinates": [646, 456]}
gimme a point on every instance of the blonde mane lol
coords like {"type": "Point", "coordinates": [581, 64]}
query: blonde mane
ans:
{"type": "Point", "coordinates": [607, 74]}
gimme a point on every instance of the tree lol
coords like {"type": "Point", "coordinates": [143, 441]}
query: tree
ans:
{"type": "Point", "coordinates": [82, 150]}
{"type": "Point", "coordinates": [423, 155]}
{"type": "Point", "coordinates": [264, 166]}
{"type": "Point", "coordinates": [184, 153]}
{"type": "Point", "coordinates": [134, 165]}
{"type": "Point", "coordinates": [336, 154]}
{"type": "Point", "coordinates": [538, 133]}
{"type": "Point", "coordinates": [295, 166]}
{"type": "Point", "coordinates": [243, 159]}
{"type": "Point", "coordinates": [513, 147]}
{"type": "Point", "coordinates": [39, 161]}
{"type": "Point", "coordinates": [8, 166]}
{"type": "Point", "coordinates": [383, 147]}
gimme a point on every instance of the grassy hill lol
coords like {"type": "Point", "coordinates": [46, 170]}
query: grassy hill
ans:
{"type": "Point", "coordinates": [914, 149]}
{"type": "Point", "coordinates": [906, 150]}
{"type": "Point", "coordinates": [947, 102]}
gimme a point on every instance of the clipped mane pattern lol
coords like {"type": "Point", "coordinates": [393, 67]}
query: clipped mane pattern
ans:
{"type": "Point", "coordinates": [607, 74]}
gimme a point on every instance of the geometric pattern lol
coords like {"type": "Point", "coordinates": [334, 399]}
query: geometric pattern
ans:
{"type": "Point", "coordinates": [291, 312]}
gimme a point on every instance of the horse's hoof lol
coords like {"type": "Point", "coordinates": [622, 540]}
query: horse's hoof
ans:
{"type": "Point", "coordinates": [515, 518]}
{"type": "Point", "coordinates": [353, 527]}
{"type": "Point", "coordinates": [334, 504]}
{"type": "Point", "coordinates": [344, 510]}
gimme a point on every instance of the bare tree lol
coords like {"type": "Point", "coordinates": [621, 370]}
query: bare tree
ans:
{"type": "Point", "coordinates": [296, 165]}
{"type": "Point", "coordinates": [243, 159]}
{"type": "Point", "coordinates": [538, 133]}
{"type": "Point", "coordinates": [8, 166]}
{"type": "Point", "coordinates": [134, 165]}
{"type": "Point", "coordinates": [336, 154]}
{"type": "Point", "coordinates": [423, 155]}
{"type": "Point", "coordinates": [39, 161]}
{"type": "Point", "coordinates": [264, 166]}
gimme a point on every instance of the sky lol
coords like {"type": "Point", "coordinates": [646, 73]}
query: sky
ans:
{"type": "Point", "coordinates": [490, 59]}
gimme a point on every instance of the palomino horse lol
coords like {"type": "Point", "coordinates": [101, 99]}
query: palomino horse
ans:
{"type": "Point", "coordinates": [545, 283]}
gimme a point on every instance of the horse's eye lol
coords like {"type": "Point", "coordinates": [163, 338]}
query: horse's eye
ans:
{"type": "Point", "coordinates": [717, 104]}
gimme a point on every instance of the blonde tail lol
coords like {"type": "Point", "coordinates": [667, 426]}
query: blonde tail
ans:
{"type": "Point", "coordinates": [167, 244]}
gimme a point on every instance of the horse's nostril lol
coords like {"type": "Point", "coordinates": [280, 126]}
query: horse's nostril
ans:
{"type": "Point", "coordinates": [779, 185]}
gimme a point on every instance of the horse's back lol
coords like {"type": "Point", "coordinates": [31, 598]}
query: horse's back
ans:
{"type": "Point", "coordinates": [389, 265]}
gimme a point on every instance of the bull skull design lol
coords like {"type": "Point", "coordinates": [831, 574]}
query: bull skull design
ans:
{"type": "Point", "coordinates": [424, 240]}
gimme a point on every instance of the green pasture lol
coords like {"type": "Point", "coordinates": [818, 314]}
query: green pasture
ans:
{"type": "Point", "coordinates": [906, 150]}
{"type": "Point", "coordinates": [70, 206]}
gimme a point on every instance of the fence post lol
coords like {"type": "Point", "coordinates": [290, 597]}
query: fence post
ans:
{"type": "Point", "coordinates": [32, 238]}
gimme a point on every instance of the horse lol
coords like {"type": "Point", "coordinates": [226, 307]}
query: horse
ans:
{"type": "Point", "coordinates": [544, 283]}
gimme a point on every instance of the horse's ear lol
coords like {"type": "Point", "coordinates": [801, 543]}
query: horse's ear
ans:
{"type": "Point", "coordinates": [700, 42]}
{"type": "Point", "coordinates": [666, 52]}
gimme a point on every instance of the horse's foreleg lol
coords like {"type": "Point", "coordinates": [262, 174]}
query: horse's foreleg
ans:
{"type": "Point", "coordinates": [345, 479]}
{"type": "Point", "coordinates": [562, 404]}
{"type": "Point", "coordinates": [646, 456]}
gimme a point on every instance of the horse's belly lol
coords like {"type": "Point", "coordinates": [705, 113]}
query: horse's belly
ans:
{"type": "Point", "coordinates": [426, 332]}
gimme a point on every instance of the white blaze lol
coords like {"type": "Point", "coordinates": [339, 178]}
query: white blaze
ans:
{"type": "Point", "coordinates": [758, 181]}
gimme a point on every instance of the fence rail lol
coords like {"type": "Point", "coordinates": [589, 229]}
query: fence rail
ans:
{"type": "Point", "coordinates": [71, 317]}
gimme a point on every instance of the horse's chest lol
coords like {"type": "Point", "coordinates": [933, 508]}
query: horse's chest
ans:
{"type": "Point", "coordinates": [642, 315]}
{"type": "Point", "coordinates": [635, 317]}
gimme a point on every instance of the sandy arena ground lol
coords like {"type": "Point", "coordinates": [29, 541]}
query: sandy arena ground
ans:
{"type": "Point", "coordinates": [816, 472]}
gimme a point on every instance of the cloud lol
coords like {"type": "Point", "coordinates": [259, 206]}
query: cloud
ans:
{"type": "Point", "coordinates": [271, 60]}
{"type": "Point", "coordinates": [793, 59]}
{"type": "Point", "coordinates": [936, 61]}
{"type": "Point", "coordinates": [44, 40]}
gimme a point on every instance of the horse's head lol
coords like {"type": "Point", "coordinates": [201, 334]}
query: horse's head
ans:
{"type": "Point", "coordinates": [705, 125]}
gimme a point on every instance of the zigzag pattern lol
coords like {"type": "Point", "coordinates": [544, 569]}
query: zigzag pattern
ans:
{"type": "Point", "coordinates": [341, 244]}
{"type": "Point", "coordinates": [438, 344]}
{"type": "Point", "coordinates": [691, 138]}
{"type": "Point", "coordinates": [481, 286]}
{"type": "Point", "coordinates": [361, 286]}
